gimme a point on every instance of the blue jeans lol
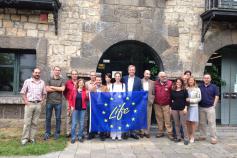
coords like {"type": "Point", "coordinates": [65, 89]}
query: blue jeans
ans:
{"type": "Point", "coordinates": [77, 117]}
{"type": "Point", "coordinates": [49, 109]}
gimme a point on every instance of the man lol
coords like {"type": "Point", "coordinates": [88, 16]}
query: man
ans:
{"type": "Point", "coordinates": [70, 89]}
{"type": "Point", "coordinates": [132, 83]}
{"type": "Point", "coordinates": [100, 88]}
{"type": "Point", "coordinates": [89, 86]}
{"type": "Point", "coordinates": [54, 87]}
{"type": "Point", "coordinates": [188, 73]}
{"type": "Point", "coordinates": [33, 93]}
{"type": "Point", "coordinates": [148, 85]}
{"type": "Point", "coordinates": [163, 88]}
{"type": "Point", "coordinates": [210, 97]}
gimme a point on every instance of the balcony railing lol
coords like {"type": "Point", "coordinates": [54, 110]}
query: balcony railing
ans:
{"type": "Point", "coordinates": [220, 4]}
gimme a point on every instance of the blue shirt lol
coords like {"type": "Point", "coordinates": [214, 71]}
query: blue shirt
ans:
{"type": "Point", "coordinates": [208, 93]}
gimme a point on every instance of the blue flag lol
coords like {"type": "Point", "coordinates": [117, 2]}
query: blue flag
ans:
{"type": "Point", "coordinates": [118, 111]}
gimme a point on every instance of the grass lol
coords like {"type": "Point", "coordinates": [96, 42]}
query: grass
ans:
{"type": "Point", "coordinates": [10, 144]}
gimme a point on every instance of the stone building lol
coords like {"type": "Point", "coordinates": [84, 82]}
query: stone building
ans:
{"type": "Point", "coordinates": [108, 35]}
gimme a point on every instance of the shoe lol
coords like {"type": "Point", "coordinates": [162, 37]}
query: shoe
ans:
{"type": "Point", "coordinates": [32, 141]}
{"type": "Point", "coordinates": [171, 137]}
{"type": "Point", "coordinates": [91, 136]}
{"type": "Point", "coordinates": [134, 136]}
{"type": "Point", "coordinates": [119, 139]}
{"type": "Point", "coordinates": [191, 140]}
{"type": "Point", "coordinates": [68, 135]}
{"type": "Point", "coordinates": [176, 140]}
{"type": "Point", "coordinates": [102, 138]}
{"type": "Point", "coordinates": [73, 141]}
{"type": "Point", "coordinates": [46, 136]}
{"type": "Point", "coordinates": [186, 142]}
{"type": "Point", "coordinates": [81, 140]}
{"type": "Point", "coordinates": [201, 139]}
{"type": "Point", "coordinates": [160, 135]}
{"type": "Point", "coordinates": [56, 136]}
{"type": "Point", "coordinates": [141, 135]}
{"type": "Point", "coordinates": [147, 135]}
{"type": "Point", "coordinates": [113, 139]}
{"type": "Point", "coordinates": [125, 136]}
{"type": "Point", "coordinates": [213, 141]}
{"type": "Point", "coordinates": [24, 142]}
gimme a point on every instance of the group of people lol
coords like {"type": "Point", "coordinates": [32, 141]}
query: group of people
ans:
{"type": "Point", "coordinates": [179, 106]}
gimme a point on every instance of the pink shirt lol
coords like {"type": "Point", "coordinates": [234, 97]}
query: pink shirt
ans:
{"type": "Point", "coordinates": [34, 90]}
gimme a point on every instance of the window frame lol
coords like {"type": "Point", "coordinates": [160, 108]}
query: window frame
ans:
{"type": "Point", "coordinates": [16, 69]}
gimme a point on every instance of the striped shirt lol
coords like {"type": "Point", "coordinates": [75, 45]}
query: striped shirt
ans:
{"type": "Point", "coordinates": [34, 90]}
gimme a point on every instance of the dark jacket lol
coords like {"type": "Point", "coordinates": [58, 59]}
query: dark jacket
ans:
{"type": "Point", "coordinates": [137, 85]}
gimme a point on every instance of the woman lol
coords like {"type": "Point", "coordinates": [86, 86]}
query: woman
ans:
{"type": "Point", "coordinates": [194, 94]}
{"type": "Point", "coordinates": [108, 78]}
{"type": "Point", "coordinates": [179, 109]}
{"type": "Point", "coordinates": [78, 111]}
{"type": "Point", "coordinates": [118, 86]}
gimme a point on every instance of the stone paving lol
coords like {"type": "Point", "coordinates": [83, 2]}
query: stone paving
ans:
{"type": "Point", "coordinates": [151, 148]}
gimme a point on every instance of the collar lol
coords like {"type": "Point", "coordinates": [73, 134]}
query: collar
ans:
{"type": "Point", "coordinates": [35, 81]}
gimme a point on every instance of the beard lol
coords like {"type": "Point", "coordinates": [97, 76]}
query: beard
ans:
{"type": "Point", "coordinates": [36, 76]}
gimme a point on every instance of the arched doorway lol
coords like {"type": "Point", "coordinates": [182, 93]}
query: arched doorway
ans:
{"type": "Point", "coordinates": [120, 55]}
{"type": "Point", "coordinates": [222, 65]}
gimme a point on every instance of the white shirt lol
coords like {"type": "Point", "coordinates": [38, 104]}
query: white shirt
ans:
{"type": "Point", "coordinates": [146, 85]}
{"type": "Point", "coordinates": [130, 83]}
{"type": "Point", "coordinates": [117, 87]}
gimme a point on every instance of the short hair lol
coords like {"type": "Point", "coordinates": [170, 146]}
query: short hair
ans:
{"type": "Point", "coordinates": [33, 70]}
{"type": "Point", "coordinates": [130, 66]}
{"type": "Point", "coordinates": [74, 71]}
{"type": "Point", "coordinates": [207, 74]}
{"type": "Point", "coordinates": [56, 67]}
{"type": "Point", "coordinates": [188, 71]}
{"type": "Point", "coordinates": [161, 72]}
{"type": "Point", "coordinates": [174, 87]}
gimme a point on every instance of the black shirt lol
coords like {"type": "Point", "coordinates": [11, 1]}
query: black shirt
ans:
{"type": "Point", "coordinates": [78, 105]}
{"type": "Point", "coordinates": [178, 99]}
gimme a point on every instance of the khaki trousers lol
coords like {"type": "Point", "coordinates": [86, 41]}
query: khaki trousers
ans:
{"type": "Point", "coordinates": [31, 117]}
{"type": "Point", "coordinates": [149, 112]}
{"type": "Point", "coordinates": [163, 118]}
{"type": "Point", "coordinates": [207, 115]}
{"type": "Point", "coordinates": [180, 118]}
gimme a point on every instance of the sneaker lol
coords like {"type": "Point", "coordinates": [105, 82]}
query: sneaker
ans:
{"type": "Point", "coordinates": [213, 141]}
{"type": "Point", "coordinates": [24, 142]}
{"type": "Point", "coordinates": [46, 136]}
{"type": "Point", "coordinates": [73, 141]}
{"type": "Point", "coordinates": [113, 138]}
{"type": "Point", "coordinates": [81, 140]}
{"type": "Point", "coordinates": [56, 136]}
{"type": "Point", "coordinates": [119, 138]}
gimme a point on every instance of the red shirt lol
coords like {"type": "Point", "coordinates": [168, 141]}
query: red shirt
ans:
{"type": "Point", "coordinates": [163, 92]}
{"type": "Point", "coordinates": [69, 92]}
{"type": "Point", "coordinates": [83, 97]}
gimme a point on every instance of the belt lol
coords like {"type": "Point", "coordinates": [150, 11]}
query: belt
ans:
{"type": "Point", "coordinates": [36, 101]}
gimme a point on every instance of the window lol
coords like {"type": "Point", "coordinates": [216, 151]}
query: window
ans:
{"type": "Point", "coordinates": [15, 67]}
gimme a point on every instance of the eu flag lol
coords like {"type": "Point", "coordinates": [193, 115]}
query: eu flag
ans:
{"type": "Point", "coordinates": [118, 111]}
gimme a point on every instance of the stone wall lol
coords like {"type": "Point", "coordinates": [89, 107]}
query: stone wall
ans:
{"type": "Point", "coordinates": [87, 28]}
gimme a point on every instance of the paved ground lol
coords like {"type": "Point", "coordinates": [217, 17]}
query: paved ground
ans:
{"type": "Point", "coordinates": [152, 148]}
